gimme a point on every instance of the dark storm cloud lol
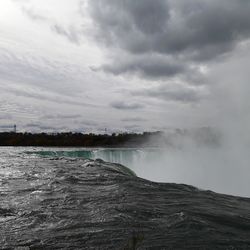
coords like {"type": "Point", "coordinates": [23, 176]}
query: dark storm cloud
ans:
{"type": "Point", "coordinates": [172, 26]}
{"type": "Point", "coordinates": [175, 93]}
{"type": "Point", "coordinates": [125, 105]}
{"type": "Point", "coordinates": [147, 66]}
{"type": "Point", "coordinates": [188, 30]}
{"type": "Point", "coordinates": [119, 21]}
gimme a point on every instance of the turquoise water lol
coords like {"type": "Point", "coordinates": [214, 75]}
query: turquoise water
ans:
{"type": "Point", "coordinates": [126, 157]}
{"type": "Point", "coordinates": [86, 154]}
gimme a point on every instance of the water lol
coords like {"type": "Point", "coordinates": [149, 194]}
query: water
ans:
{"type": "Point", "coordinates": [218, 169]}
{"type": "Point", "coordinates": [118, 155]}
{"type": "Point", "coordinates": [56, 199]}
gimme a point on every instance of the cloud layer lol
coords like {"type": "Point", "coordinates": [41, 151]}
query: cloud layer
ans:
{"type": "Point", "coordinates": [124, 65]}
{"type": "Point", "coordinates": [185, 32]}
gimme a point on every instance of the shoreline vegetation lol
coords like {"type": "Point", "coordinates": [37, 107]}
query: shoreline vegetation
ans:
{"type": "Point", "coordinates": [70, 139]}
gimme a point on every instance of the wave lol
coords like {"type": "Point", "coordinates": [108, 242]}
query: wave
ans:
{"type": "Point", "coordinates": [206, 168]}
{"type": "Point", "coordinates": [104, 157]}
{"type": "Point", "coordinates": [66, 203]}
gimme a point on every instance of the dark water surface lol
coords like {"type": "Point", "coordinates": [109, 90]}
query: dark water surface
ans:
{"type": "Point", "coordinates": [74, 203]}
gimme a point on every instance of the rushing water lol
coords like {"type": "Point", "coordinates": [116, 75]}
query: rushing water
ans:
{"type": "Point", "coordinates": [217, 169]}
{"type": "Point", "coordinates": [56, 199]}
{"type": "Point", "coordinates": [121, 156]}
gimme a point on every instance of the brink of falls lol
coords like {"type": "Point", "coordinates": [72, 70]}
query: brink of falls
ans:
{"type": "Point", "coordinates": [64, 203]}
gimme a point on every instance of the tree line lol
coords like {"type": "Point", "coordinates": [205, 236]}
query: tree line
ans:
{"type": "Point", "coordinates": [70, 139]}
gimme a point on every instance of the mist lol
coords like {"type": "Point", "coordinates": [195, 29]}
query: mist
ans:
{"type": "Point", "coordinates": [223, 168]}
{"type": "Point", "coordinates": [216, 157]}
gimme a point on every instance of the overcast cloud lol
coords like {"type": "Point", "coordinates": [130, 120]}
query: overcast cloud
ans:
{"type": "Point", "coordinates": [124, 65]}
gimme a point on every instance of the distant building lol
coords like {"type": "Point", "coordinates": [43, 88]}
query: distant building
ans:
{"type": "Point", "coordinates": [14, 130]}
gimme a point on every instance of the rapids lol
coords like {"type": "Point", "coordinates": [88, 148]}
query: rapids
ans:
{"type": "Point", "coordinates": [76, 203]}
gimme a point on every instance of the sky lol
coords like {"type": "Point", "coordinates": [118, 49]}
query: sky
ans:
{"type": "Point", "coordinates": [124, 65]}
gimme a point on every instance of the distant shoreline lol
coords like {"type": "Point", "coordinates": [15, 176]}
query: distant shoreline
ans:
{"type": "Point", "coordinates": [69, 139]}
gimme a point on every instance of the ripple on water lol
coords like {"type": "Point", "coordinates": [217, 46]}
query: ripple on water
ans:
{"type": "Point", "coordinates": [84, 204]}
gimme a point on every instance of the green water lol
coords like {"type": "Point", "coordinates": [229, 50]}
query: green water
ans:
{"type": "Point", "coordinates": [121, 156]}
